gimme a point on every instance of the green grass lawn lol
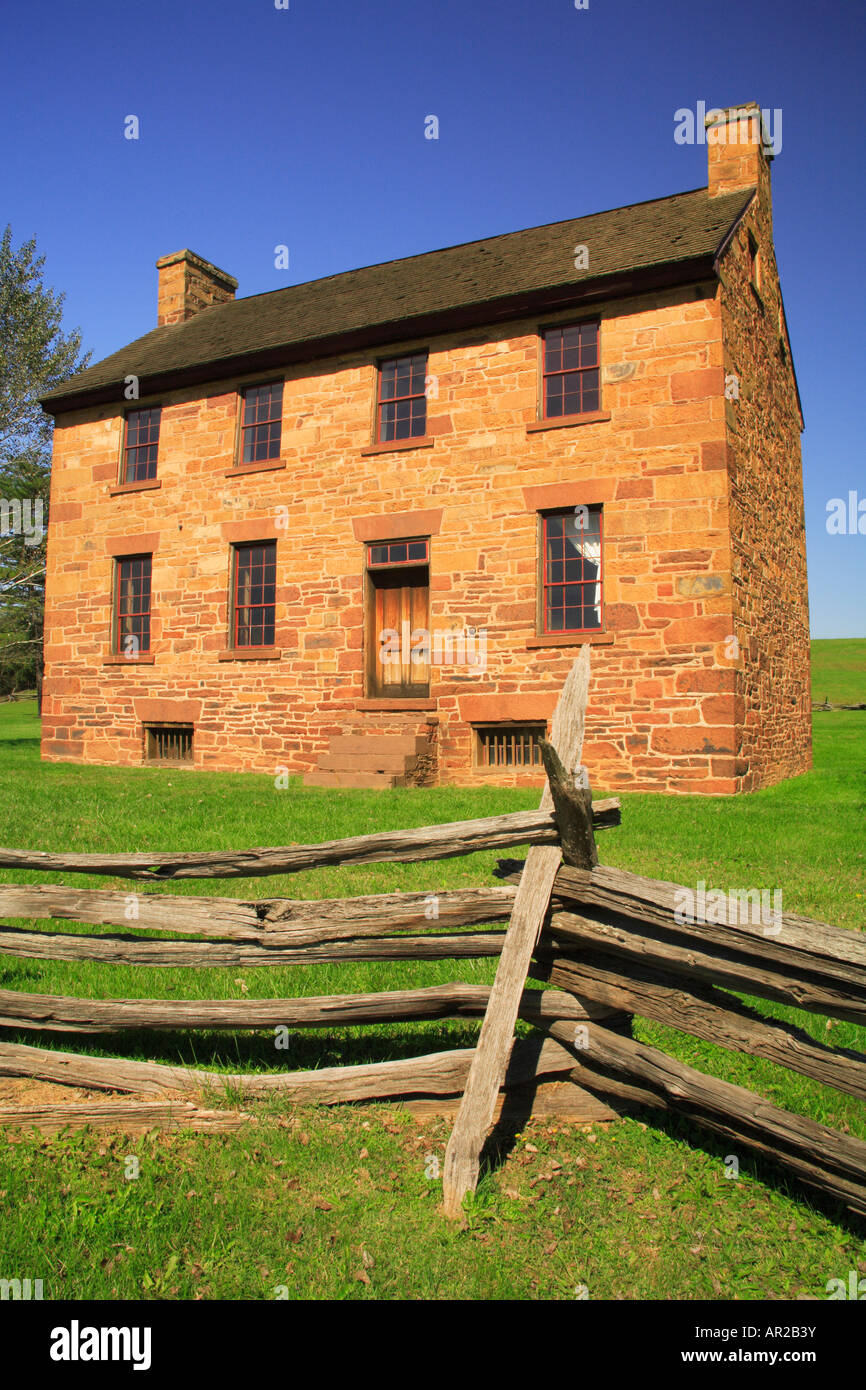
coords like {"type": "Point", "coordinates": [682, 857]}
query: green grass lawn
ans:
{"type": "Point", "coordinates": [340, 1203]}
{"type": "Point", "coordinates": [839, 670]}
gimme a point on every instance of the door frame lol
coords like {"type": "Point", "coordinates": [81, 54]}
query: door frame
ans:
{"type": "Point", "coordinates": [370, 644]}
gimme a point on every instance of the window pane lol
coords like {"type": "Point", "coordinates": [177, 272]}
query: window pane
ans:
{"type": "Point", "coordinates": [571, 385]}
{"type": "Point", "coordinates": [398, 553]}
{"type": "Point", "coordinates": [133, 605]}
{"type": "Point", "coordinates": [571, 357]}
{"type": "Point", "coordinates": [586, 527]}
{"type": "Point", "coordinates": [572, 575]}
{"type": "Point", "coordinates": [402, 400]}
{"type": "Point", "coordinates": [263, 403]}
{"type": "Point", "coordinates": [255, 595]}
{"type": "Point", "coordinates": [141, 445]}
{"type": "Point", "coordinates": [386, 423]}
{"type": "Point", "coordinates": [573, 571]}
{"type": "Point", "coordinates": [590, 390]}
{"type": "Point", "coordinates": [589, 345]}
{"type": "Point", "coordinates": [386, 380]}
{"type": "Point", "coordinates": [554, 620]}
{"type": "Point", "coordinates": [553, 396]}
{"type": "Point", "coordinates": [553, 362]}
{"type": "Point", "coordinates": [262, 423]}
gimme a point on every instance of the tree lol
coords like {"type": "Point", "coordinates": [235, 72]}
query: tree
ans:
{"type": "Point", "coordinates": [35, 355]}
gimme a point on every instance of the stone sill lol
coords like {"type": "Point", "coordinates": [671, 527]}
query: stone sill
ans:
{"type": "Point", "coordinates": [423, 441]}
{"type": "Point", "coordinates": [250, 654]}
{"type": "Point", "coordinates": [571, 639]}
{"type": "Point", "coordinates": [267, 466]}
{"type": "Point", "coordinates": [114, 660]}
{"type": "Point", "coordinates": [372, 705]}
{"type": "Point", "coordinates": [592, 417]}
{"type": "Point", "coordinates": [121, 488]}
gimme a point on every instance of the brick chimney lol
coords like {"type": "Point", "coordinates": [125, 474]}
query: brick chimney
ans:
{"type": "Point", "coordinates": [187, 283]}
{"type": "Point", "coordinates": [739, 149]}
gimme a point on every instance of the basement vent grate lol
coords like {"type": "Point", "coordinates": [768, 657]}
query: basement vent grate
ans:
{"type": "Point", "coordinates": [168, 743]}
{"type": "Point", "coordinates": [509, 745]}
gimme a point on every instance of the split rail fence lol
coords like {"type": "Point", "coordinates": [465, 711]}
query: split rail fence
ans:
{"type": "Point", "coordinates": [606, 943]}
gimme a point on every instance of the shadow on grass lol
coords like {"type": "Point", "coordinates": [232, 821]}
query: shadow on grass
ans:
{"type": "Point", "coordinates": [256, 1053]}
{"type": "Point", "coordinates": [762, 1168]}
{"type": "Point", "coordinates": [252, 1052]}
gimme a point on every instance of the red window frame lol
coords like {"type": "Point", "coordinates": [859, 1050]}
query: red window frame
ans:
{"type": "Point", "coordinates": [261, 423]}
{"type": "Point", "coordinates": [132, 603]}
{"type": "Point", "coordinates": [401, 414]}
{"type": "Point", "coordinates": [394, 554]}
{"type": "Point", "coordinates": [576, 344]}
{"type": "Point", "coordinates": [254, 566]}
{"type": "Point", "coordinates": [554, 584]}
{"type": "Point", "coordinates": [141, 445]}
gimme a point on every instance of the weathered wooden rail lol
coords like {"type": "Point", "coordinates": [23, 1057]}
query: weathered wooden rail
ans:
{"type": "Point", "coordinates": [606, 944]}
{"type": "Point", "coordinates": [446, 841]}
{"type": "Point", "coordinates": [240, 933]}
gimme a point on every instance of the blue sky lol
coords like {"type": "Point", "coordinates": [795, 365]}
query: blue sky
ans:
{"type": "Point", "coordinates": [305, 127]}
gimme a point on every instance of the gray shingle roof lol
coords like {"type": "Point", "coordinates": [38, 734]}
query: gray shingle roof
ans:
{"type": "Point", "coordinates": [312, 319]}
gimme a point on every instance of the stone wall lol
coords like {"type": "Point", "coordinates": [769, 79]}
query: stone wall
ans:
{"type": "Point", "coordinates": [768, 536]}
{"type": "Point", "coordinates": [667, 705]}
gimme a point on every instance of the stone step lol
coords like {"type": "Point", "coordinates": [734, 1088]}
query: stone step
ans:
{"type": "Point", "coordinates": [397, 745]}
{"type": "Point", "coordinates": [375, 780]}
{"type": "Point", "coordinates": [371, 760]}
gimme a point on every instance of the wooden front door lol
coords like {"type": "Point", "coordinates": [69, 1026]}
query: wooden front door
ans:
{"type": "Point", "coordinates": [398, 640]}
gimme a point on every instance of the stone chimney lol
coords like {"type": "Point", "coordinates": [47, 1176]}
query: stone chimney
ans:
{"type": "Point", "coordinates": [187, 284]}
{"type": "Point", "coordinates": [740, 148]}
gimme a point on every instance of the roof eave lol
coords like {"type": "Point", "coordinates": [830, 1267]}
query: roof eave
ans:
{"type": "Point", "coordinates": [548, 300]}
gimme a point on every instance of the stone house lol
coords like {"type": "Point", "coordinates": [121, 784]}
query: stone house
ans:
{"type": "Point", "coordinates": [358, 528]}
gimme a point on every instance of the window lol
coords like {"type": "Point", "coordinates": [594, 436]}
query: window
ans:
{"type": "Point", "coordinates": [398, 553]}
{"type": "Point", "coordinates": [262, 421]}
{"type": "Point", "coordinates": [141, 445]}
{"type": "Point", "coordinates": [132, 605]}
{"type": "Point", "coordinates": [571, 570]}
{"type": "Point", "coordinates": [168, 743]}
{"type": "Point", "coordinates": [509, 745]}
{"type": "Point", "coordinates": [570, 370]}
{"type": "Point", "coordinates": [254, 594]}
{"type": "Point", "coordinates": [754, 264]}
{"type": "Point", "coordinates": [402, 405]}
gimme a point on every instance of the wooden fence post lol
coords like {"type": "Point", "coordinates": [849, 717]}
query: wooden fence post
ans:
{"type": "Point", "coordinates": [573, 806]}
{"type": "Point", "coordinates": [490, 1059]}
